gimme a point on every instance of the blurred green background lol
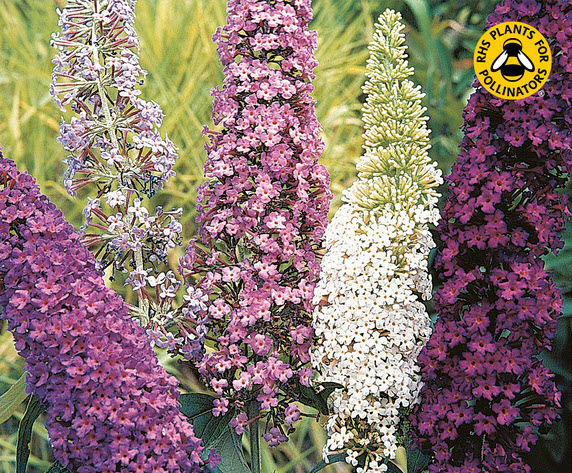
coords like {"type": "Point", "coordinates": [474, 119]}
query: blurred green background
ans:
{"type": "Point", "coordinates": [177, 51]}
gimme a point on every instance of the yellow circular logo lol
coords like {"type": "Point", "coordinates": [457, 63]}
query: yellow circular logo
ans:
{"type": "Point", "coordinates": [512, 60]}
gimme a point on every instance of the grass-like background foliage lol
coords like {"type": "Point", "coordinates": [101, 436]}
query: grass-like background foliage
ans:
{"type": "Point", "coordinates": [177, 51]}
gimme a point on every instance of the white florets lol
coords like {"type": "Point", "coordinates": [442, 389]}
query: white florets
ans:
{"type": "Point", "coordinates": [372, 325]}
{"type": "Point", "coordinates": [369, 318]}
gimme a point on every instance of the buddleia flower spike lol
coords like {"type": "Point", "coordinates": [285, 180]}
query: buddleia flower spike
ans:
{"type": "Point", "coordinates": [370, 320]}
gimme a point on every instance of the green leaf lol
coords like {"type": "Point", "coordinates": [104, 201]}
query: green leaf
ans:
{"type": "Point", "coordinates": [400, 461]}
{"type": "Point", "coordinates": [416, 461]}
{"type": "Point", "coordinates": [229, 447]}
{"type": "Point", "coordinates": [328, 388]}
{"type": "Point", "coordinates": [11, 399]}
{"type": "Point", "coordinates": [337, 457]}
{"type": "Point", "coordinates": [393, 468]}
{"type": "Point", "coordinates": [57, 468]}
{"type": "Point", "coordinates": [194, 405]}
{"type": "Point", "coordinates": [33, 410]}
{"type": "Point", "coordinates": [198, 408]}
{"type": "Point", "coordinates": [209, 428]}
{"type": "Point", "coordinates": [309, 396]}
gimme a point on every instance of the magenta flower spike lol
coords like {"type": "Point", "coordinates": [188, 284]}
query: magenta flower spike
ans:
{"type": "Point", "coordinates": [262, 213]}
{"type": "Point", "coordinates": [111, 407]}
{"type": "Point", "coordinates": [487, 394]}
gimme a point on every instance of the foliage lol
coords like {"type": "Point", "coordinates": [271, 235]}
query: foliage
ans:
{"type": "Point", "coordinates": [33, 410]}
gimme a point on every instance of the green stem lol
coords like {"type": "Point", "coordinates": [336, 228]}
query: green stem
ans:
{"type": "Point", "coordinates": [253, 409]}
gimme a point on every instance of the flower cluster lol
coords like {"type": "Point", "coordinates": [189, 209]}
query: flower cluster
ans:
{"type": "Point", "coordinates": [111, 406]}
{"type": "Point", "coordinates": [115, 145]}
{"type": "Point", "coordinates": [486, 393]}
{"type": "Point", "coordinates": [370, 320]}
{"type": "Point", "coordinates": [261, 216]}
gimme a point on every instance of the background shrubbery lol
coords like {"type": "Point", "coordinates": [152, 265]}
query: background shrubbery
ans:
{"type": "Point", "coordinates": [177, 51]}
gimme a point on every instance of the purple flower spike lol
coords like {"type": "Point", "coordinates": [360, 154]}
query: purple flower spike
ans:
{"type": "Point", "coordinates": [487, 394]}
{"type": "Point", "coordinates": [262, 213]}
{"type": "Point", "coordinates": [111, 407]}
{"type": "Point", "coordinates": [116, 148]}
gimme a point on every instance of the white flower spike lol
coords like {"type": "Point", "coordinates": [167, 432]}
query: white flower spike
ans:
{"type": "Point", "coordinates": [370, 320]}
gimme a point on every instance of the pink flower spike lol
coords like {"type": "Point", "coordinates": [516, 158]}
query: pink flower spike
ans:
{"type": "Point", "coordinates": [262, 213]}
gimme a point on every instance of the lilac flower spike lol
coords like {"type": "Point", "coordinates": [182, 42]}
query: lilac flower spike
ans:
{"type": "Point", "coordinates": [111, 407]}
{"type": "Point", "coordinates": [115, 145]}
{"type": "Point", "coordinates": [487, 394]}
{"type": "Point", "coordinates": [370, 321]}
{"type": "Point", "coordinates": [261, 216]}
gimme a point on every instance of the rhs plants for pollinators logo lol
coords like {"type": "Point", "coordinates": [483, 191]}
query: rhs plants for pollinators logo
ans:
{"type": "Point", "coordinates": [512, 60]}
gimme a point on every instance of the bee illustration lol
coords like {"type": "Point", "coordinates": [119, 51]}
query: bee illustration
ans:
{"type": "Point", "coordinates": [512, 62]}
